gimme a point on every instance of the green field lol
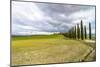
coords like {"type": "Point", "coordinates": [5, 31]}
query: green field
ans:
{"type": "Point", "coordinates": [44, 49]}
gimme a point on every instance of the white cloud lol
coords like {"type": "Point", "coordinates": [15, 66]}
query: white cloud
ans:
{"type": "Point", "coordinates": [27, 10]}
{"type": "Point", "coordinates": [85, 15]}
{"type": "Point", "coordinates": [30, 18]}
{"type": "Point", "coordinates": [34, 33]}
{"type": "Point", "coordinates": [23, 16]}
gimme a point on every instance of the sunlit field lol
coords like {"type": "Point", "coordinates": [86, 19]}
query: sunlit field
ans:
{"type": "Point", "coordinates": [47, 49]}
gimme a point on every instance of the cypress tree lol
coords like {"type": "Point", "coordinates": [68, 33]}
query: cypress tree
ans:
{"type": "Point", "coordinates": [89, 30]}
{"type": "Point", "coordinates": [78, 31]}
{"type": "Point", "coordinates": [81, 30]}
{"type": "Point", "coordinates": [85, 32]}
{"type": "Point", "coordinates": [75, 32]}
{"type": "Point", "coordinates": [69, 34]}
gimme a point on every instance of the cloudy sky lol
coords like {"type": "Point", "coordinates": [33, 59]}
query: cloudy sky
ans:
{"type": "Point", "coordinates": [46, 18]}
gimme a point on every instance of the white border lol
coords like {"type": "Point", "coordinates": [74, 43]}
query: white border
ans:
{"type": "Point", "coordinates": [4, 33]}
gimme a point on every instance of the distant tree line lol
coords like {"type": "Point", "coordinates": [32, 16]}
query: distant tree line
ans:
{"type": "Point", "coordinates": [79, 31]}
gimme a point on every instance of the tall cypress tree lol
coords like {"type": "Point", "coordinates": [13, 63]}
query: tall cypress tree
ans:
{"type": "Point", "coordinates": [89, 30]}
{"type": "Point", "coordinates": [75, 32]}
{"type": "Point", "coordinates": [69, 34]}
{"type": "Point", "coordinates": [81, 30]}
{"type": "Point", "coordinates": [78, 31]}
{"type": "Point", "coordinates": [85, 32]}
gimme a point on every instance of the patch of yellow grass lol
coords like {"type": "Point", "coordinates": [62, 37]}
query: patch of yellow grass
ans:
{"type": "Point", "coordinates": [43, 51]}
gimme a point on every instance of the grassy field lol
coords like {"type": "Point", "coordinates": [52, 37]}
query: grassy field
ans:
{"type": "Point", "coordinates": [44, 49]}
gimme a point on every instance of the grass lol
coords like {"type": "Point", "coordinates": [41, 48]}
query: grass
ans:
{"type": "Point", "coordinates": [44, 49]}
{"type": "Point", "coordinates": [37, 37]}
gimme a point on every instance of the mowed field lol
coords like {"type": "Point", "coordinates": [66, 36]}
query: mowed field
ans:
{"type": "Point", "coordinates": [45, 49]}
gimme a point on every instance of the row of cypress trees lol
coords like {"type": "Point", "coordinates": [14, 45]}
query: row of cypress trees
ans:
{"type": "Point", "coordinates": [79, 31]}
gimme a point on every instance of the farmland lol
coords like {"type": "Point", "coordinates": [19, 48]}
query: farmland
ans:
{"type": "Point", "coordinates": [45, 49]}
